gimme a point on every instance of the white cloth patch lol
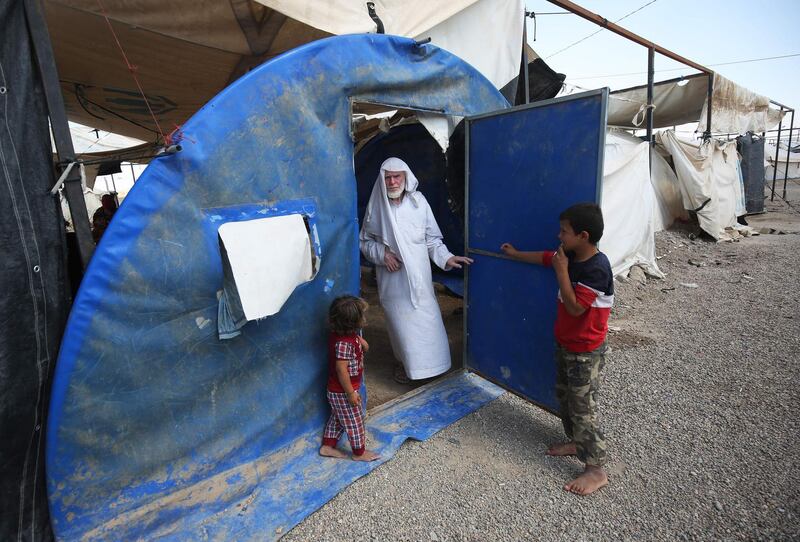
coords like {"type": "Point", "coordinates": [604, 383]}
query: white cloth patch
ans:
{"type": "Point", "coordinates": [269, 258]}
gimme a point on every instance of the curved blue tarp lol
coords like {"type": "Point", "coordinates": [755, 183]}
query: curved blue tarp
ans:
{"type": "Point", "coordinates": [148, 405]}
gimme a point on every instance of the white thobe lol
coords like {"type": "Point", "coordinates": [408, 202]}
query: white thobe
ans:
{"type": "Point", "coordinates": [416, 330]}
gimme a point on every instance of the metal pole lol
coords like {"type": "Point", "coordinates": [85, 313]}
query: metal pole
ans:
{"type": "Point", "coordinates": [775, 161]}
{"type": "Point", "coordinates": [651, 59]}
{"type": "Point", "coordinates": [788, 153]}
{"type": "Point", "coordinates": [60, 127]}
{"type": "Point", "coordinates": [709, 104]}
{"type": "Point", "coordinates": [524, 70]}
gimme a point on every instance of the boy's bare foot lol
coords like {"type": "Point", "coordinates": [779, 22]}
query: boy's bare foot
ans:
{"type": "Point", "coordinates": [563, 449]}
{"type": "Point", "coordinates": [592, 479]}
{"type": "Point", "coordinates": [368, 455]}
{"type": "Point", "coordinates": [330, 451]}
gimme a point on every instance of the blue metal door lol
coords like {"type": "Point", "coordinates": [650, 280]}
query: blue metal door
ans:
{"type": "Point", "coordinates": [524, 166]}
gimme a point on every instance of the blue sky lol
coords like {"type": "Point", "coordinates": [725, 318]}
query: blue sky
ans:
{"type": "Point", "coordinates": [705, 31]}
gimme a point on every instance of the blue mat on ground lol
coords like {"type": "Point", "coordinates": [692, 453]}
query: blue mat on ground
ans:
{"type": "Point", "coordinates": [265, 498]}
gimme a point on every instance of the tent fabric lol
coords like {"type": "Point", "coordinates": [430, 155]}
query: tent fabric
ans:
{"type": "Point", "coordinates": [709, 180]}
{"type": "Point", "coordinates": [186, 51]}
{"type": "Point", "coordinates": [669, 201]}
{"type": "Point", "coordinates": [34, 281]}
{"type": "Point", "coordinates": [452, 25]}
{"type": "Point", "coordinates": [628, 204]}
{"type": "Point", "coordinates": [147, 403]}
{"type": "Point", "coordinates": [409, 18]}
{"type": "Point", "coordinates": [751, 150]}
{"type": "Point", "coordinates": [769, 162]}
{"type": "Point", "coordinates": [734, 109]}
{"type": "Point", "coordinates": [737, 110]}
{"type": "Point", "coordinates": [675, 104]}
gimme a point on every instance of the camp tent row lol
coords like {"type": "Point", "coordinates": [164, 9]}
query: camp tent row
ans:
{"type": "Point", "coordinates": [157, 428]}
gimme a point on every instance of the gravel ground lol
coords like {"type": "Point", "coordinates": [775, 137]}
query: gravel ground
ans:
{"type": "Point", "coordinates": [700, 408]}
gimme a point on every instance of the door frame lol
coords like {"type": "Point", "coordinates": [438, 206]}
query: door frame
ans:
{"type": "Point", "coordinates": [603, 93]}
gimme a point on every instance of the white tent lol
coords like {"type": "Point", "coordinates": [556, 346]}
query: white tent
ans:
{"type": "Point", "coordinates": [629, 205]}
{"type": "Point", "coordinates": [710, 181]}
{"type": "Point", "coordinates": [769, 162]}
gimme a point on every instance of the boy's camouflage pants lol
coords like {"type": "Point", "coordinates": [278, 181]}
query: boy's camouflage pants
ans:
{"type": "Point", "coordinates": [577, 385]}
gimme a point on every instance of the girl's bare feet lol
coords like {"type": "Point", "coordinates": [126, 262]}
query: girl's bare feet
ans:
{"type": "Point", "coordinates": [592, 479]}
{"type": "Point", "coordinates": [563, 449]}
{"type": "Point", "coordinates": [368, 455]}
{"type": "Point", "coordinates": [330, 451]}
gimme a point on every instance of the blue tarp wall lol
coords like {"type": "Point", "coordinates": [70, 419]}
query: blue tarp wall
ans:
{"type": "Point", "coordinates": [148, 405]}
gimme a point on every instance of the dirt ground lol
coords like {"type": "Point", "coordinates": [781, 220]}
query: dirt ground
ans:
{"type": "Point", "coordinates": [700, 407]}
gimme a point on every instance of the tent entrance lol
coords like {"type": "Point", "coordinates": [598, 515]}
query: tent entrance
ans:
{"type": "Point", "coordinates": [379, 132]}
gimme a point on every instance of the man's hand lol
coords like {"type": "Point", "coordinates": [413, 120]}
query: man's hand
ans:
{"type": "Point", "coordinates": [392, 262]}
{"type": "Point", "coordinates": [364, 343]}
{"type": "Point", "coordinates": [457, 261]}
{"type": "Point", "coordinates": [560, 261]}
{"type": "Point", "coordinates": [355, 398]}
{"type": "Point", "coordinates": [508, 249]}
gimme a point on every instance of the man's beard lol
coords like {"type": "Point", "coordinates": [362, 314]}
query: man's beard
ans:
{"type": "Point", "coordinates": [395, 194]}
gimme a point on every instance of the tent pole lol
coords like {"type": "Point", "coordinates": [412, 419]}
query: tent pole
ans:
{"type": "Point", "coordinates": [73, 190]}
{"type": "Point", "coordinates": [709, 104]}
{"type": "Point", "coordinates": [788, 154]}
{"type": "Point", "coordinates": [775, 161]}
{"type": "Point", "coordinates": [524, 57]}
{"type": "Point", "coordinates": [651, 56]}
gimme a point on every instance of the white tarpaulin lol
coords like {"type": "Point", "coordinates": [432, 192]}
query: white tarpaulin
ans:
{"type": "Point", "coordinates": [676, 103]}
{"type": "Point", "coordinates": [734, 109]}
{"type": "Point", "coordinates": [769, 162]}
{"type": "Point", "coordinates": [485, 33]}
{"type": "Point", "coordinates": [86, 140]}
{"type": "Point", "coordinates": [669, 203]}
{"type": "Point", "coordinates": [709, 180]}
{"type": "Point", "coordinates": [629, 205]}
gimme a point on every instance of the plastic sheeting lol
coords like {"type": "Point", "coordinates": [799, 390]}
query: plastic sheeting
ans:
{"type": "Point", "coordinates": [669, 201]}
{"type": "Point", "coordinates": [148, 406]}
{"type": "Point", "coordinates": [734, 109]}
{"type": "Point", "coordinates": [676, 103]}
{"type": "Point", "coordinates": [186, 51]}
{"type": "Point", "coordinates": [709, 179]}
{"type": "Point", "coordinates": [35, 294]}
{"type": "Point", "coordinates": [751, 150]}
{"type": "Point", "coordinates": [453, 25]}
{"type": "Point", "coordinates": [629, 205]}
{"type": "Point", "coordinates": [769, 162]}
{"type": "Point", "coordinates": [737, 110]}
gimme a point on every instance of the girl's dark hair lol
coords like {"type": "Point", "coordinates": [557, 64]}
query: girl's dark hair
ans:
{"type": "Point", "coordinates": [346, 315]}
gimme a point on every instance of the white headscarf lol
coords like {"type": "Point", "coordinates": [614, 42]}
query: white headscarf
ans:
{"type": "Point", "coordinates": [379, 221]}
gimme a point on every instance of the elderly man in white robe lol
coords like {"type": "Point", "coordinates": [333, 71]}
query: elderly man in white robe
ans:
{"type": "Point", "coordinates": [398, 235]}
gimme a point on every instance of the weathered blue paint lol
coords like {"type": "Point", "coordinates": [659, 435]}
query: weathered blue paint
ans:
{"type": "Point", "coordinates": [266, 497]}
{"type": "Point", "coordinates": [525, 166]}
{"type": "Point", "coordinates": [147, 403]}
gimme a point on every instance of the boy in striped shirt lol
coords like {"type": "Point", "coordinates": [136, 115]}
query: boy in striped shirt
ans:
{"type": "Point", "coordinates": [585, 297]}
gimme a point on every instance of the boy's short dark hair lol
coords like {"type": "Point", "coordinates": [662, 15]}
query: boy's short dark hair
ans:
{"type": "Point", "coordinates": [585, 217]}
{"type": "Point", "coordinates": [346, 314]}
